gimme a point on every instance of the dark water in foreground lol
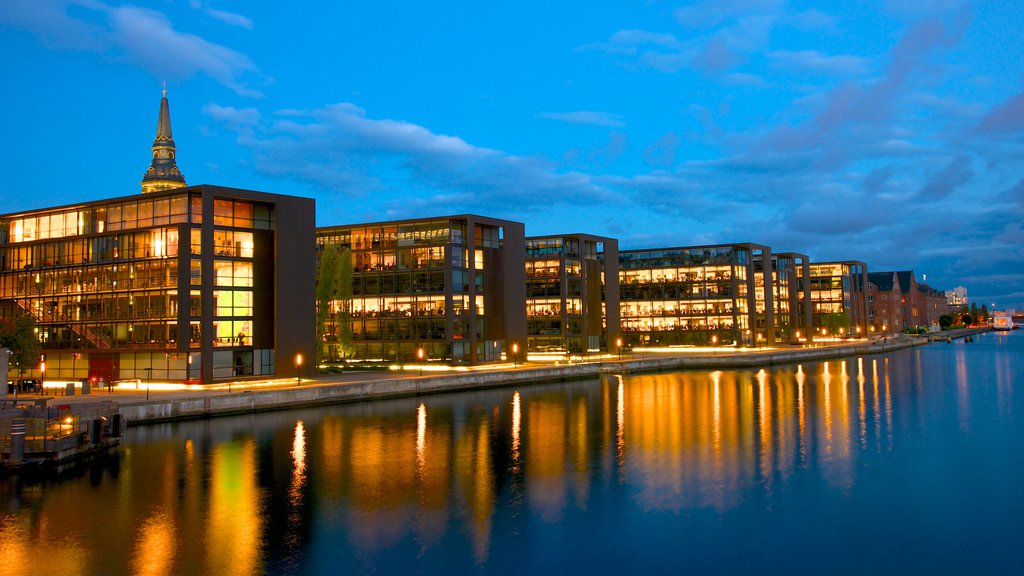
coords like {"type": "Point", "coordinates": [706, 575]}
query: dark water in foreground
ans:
{"type": "Point", "coordinates": [906, 463]}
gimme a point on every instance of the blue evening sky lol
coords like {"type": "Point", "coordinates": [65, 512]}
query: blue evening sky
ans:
{"type": "Point", "coordinates": [885, 131]}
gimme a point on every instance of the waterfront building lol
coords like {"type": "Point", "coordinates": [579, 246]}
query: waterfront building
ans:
{"type": "Point", "coordinates": [699, 295]}
{"type": "Point", "coordinates": [885, 306]}
{"type": "Point", "coordinates": [572, 295]}
{"type": "Point", "coordinates": [956, 299]}
{"type": "Point", "coordinates": [196, 284]}
{"type": "Point", "coordinates": [793, 311]}
{"type": "Point", "coordinates": [837, 288]}
{"type": "Point", "coordinates": [180, 284]}
{"type": "Point", "coordinates": [452, 286]}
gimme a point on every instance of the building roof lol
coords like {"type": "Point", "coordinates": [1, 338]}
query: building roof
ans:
{"type": "Point", "coordinates": [884, 281]}
{"type": "Point", "coordinates": [906, 278]}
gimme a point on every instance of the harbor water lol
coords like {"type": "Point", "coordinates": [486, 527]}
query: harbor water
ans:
{"type": "Point", "coordinates": [910, 462]}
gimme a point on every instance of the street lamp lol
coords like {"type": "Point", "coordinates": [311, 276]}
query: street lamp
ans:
{"type": "Point", "coordinates": [298, 369]}
{"type": "Point", "coordinates": [515, 354]}
{"type": "Point", "coordinates": [188, 368]}
{"type": "Point", "coordinates": [714, 343]}
{"type": "Point", "coordinates": [42, 371]}
{"type": "Point", "coordinates": [419, 358]}
{"type": "Point", "coordinates": [618, 344]}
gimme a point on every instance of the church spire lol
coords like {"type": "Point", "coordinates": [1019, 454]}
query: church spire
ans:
{"type": "Point", "coordinates": [163, 173]}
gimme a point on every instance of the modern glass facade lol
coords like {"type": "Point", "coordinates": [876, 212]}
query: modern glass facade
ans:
{"type": "Point", "coordinates": [836, 288]}
{"type": "Point", "coordinates": [569, 306]}
{"type": "Point", "coordinates": [165, 287]}
{"type": "Point", "coordinates": [696, 295]}
{"type": "Point", "coordinates": [792, 312]}
{"type": "Point", "coordinates": [451, 286]}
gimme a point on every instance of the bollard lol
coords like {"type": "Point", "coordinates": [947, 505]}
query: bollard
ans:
{"type": "Point", "coordinates": [115, 425]}
{"type": "Point", "coordinates": [85, 387]}
{"type": "Point", "coordinates": [17, 442]}
{"type": "Point", "coordinates": [95, 431]}
{"type": "Point", "coordinates": [69, 390]}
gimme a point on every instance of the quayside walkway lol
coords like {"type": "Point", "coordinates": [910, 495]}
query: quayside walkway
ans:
{"type": "Point", "coordinates": [145, 403]}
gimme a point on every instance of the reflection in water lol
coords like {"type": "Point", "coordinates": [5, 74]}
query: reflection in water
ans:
{"type": "Point", "coordinates": [235, 524]}
{"type": "Point", "coordinates": [487, 470]}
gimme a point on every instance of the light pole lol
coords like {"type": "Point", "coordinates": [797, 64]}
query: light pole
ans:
{"type": "Point", "coordinates": [188, 368]}
{"type": "Point", "coordinates": [618, 344]}
{"type": "Point", "coordinates": [714, 344]}
{"type": "Point", "coordinates": [42, 372]}
{"type": "Point", "coordinates": [298, 369]}
{"type": "Point", "coordinates": [515, 355]}
{"type": "Point", "coordinates": [419, 359]}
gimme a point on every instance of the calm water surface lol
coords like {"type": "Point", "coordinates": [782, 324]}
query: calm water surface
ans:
{"type": "Point", "coordinates": [907, 463]}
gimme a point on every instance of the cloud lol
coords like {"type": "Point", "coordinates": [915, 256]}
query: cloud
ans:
{"type": "Point", "coordinates": [662, 153]}
{"type": "Point", "coordinates": [229, 18]}
{"type": "Point", "coordinates": [339, 149]}
{"type": "Point", "coordinates": [138, 36]}
{"type": "Point", "coordinates": [954, 175]}
{"type": "Point", "coordinates": [1005, 117]}
{"type": "Point", "coordinates": [814, 61]}
{"type": "Point", "coordinates": [586, 117]}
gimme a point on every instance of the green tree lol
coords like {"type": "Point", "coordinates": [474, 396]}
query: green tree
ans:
{"type": "Point", "coordinates": [984, 313]}
{"type": "Point", "coordinates": [974, 313]}
{"type": "Point", "coordinates": [833, 322]}
{"type": "Point", "coordinates": [343, 282]}
{"type": "Point", "coordinates": [967, 319]}
{"type": "Point", "coordinates": [945, 321]}
{"type": "Point", "coordinates": [326, 287]}
{"type": "Point", "coordinates": [19, 336]}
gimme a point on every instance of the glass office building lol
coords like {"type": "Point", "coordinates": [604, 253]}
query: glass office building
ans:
{"type": "Point", "coordinates": [572, 295]}
{"type": "Point", "coordinates": [792, 312]}
{"type": "Point", "coordinates": [189, 284]}
{"type": "Point", "coordinates": [698, 295]}
{"type": "Point", "coordinates": [837, 288]}
{"type": "Point", "coordinates": [451, 286]}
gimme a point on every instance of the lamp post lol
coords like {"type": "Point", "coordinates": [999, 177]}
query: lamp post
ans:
{"type": "Point", "coordinates": [188, 367]}
{"type": "Point", "coordinates": [42, 372]}
{"type": "Point", "coordinates": [419, 359]}
{"type": "Point", "coordinates": [515, 355]}
{"type": "Point", "coordinates": [298, 369]}
{"type": "Point", "coordinates": [618, 344]}
{"type": "Point", "coordinates": [714, 344]}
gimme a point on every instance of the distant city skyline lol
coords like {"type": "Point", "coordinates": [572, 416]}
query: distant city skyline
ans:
{"type": "Point", "coordinates": [890, 134]}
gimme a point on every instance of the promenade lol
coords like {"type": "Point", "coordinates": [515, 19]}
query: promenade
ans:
{"type": "Point", "coordinates": [145, 403]}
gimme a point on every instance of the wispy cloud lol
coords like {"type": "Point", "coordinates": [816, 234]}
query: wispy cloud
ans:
{"type": "Point", "coordinates": [229, 18]}
{"type": "Point", "coordinates": [137, 36]}
{"type": "Point", "coordinates": [586, 117]}
{"type": "Point", "coordinates": [814, 61]}
{"type": "Point", "coordinates": [339, 149]}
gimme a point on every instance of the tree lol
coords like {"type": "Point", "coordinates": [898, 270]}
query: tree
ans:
{"type": "Point", "coordinates": [19, 336]}
{"type": "Point", "coordinates": [326, 287]}
{"type": "Point", "coordinates": [967, 319]}
{"type": "Point", "coordinates": [974, 313]}
{"type": "Point", "coordinates": [984, 313]}
{"type": "Point", "coordinates": [833, 322]}
{"type": "Point", "coordinates": [344, 296]}
{"type": "Point", "coordinates": [945, 321]}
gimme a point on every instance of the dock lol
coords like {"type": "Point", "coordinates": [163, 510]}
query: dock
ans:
{"type": "Point", "coordinates": [41, 433]}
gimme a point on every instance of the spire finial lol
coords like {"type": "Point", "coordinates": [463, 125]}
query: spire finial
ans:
{"type": "Point", "coordinates": [163, 173]}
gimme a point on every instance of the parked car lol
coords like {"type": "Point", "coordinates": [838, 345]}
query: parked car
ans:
{"type": "Point", "coordinates": [30, 385]}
